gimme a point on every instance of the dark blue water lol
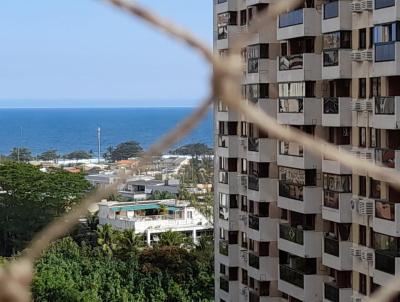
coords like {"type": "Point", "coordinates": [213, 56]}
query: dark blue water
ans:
{"type": "Point", "coordinates": [76, 129]}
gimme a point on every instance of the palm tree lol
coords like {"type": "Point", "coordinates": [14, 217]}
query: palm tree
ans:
{"type": "Point", "coordinates": [107, 239]}
{"type": "Point", "coordinates": [174, 239]}
{"type": "Point", "coordinates": [130, 242]}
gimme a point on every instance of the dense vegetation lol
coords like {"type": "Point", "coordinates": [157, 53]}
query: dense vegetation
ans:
{"type": "Point", "coordinates": [30, 199]}
{"type": "Point", "coordinates": [119, 268]}
{"type": "Point", "coordinates": [193, 150]}
{"type": "Point", "coordinates": [123, 151]}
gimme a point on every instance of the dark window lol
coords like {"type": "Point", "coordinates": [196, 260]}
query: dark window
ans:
{"type": "Point", "coordinates": [375, 87]}
{"type": "Point", "coordinates": [363, 137]}
{"type": "Point", "coordinates": [243, 17]}
{"type": "Point", "coordinates": [233, 273]}
{"type": "Point", "coordinates": [362, 88]}
{"type": "Point", "coordinates": [362, 240]}
{"type": "Point", "coordinates": [362, 286]}
{"type": "Point", "coordinates": [244, 277]}
{"type": "Point", "coordinates": [362, 186]}
{"type": "Point", "coordinates": [375, 189]}
{"type": "Point", "coordinates": [362, 38]}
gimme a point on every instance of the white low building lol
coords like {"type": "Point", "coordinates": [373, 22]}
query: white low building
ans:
{"type": "Point", "coordinates": [154, 217]}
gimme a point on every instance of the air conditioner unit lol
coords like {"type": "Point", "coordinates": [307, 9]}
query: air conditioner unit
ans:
{"type": "Point", "coordinates": [356, 7]}
{"type": "Point", "coordinates": [356, 299]}
{"type": "Point", "coordinates": [356, 106]}
{"type": "Point", "coordinates": [368, 104]}
{"type": "Point", "coordinates": [365, 207]}
{"type": "Point", "coordinates": [355, 251]}
{"type": "Point", "coordinates": [367, 255]}
{"type": "Point", "coordinates": [356, 56]}
{"type": "Point", "coordinates": [367, 5]}
{"type": "Point", "coordinates": [366, 55]}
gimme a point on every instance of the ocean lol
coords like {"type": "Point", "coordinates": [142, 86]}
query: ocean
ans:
{"type": "Point", "coordinates": [66, 130]}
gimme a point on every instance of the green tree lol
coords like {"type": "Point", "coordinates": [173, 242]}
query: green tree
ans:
{"type": "Point", "coordinates": [193, 150]}
{"type": "Point", "coordinates": [20, 154]}
{"type": "Point", "coordinates": [49, 155]}
{"type": "Point", "coordinates": [108, 239]}
{"type": "Point", "coordinates": [31, 199]}
{"type": "Point", "coordinates": [79, 154]}
{"type": "Point", "coordinates": [177, 239]}
{"type": "Point", "coordinates": [124, 151]}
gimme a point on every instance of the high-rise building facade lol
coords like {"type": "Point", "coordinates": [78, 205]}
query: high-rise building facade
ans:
{"type": "Point", "coordinates": [291, 225]}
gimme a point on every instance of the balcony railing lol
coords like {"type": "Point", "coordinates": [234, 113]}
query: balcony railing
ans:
{"type": "Point", "coordinates": [291, 234]}
{"type": "Point", "coordinates": [224, 284]}
{"type": "Point", "coordinates": [385, 157]}
{"type": "Point", "coordinates": [331, 246]}
{"type": "Point", "coordinates": [291, 106]}
{"type": "Point", "coordinates": [385, 210]}
{"type": "Point", "coordinates": [331, 199]}
{"type": "Point", "coordinates": [291, 18]}
{"type": "Point", "coordinates": [222, 141]}
{"type": "Point", "coordinates": [291, 191]}
{"type": "Point", "coordinates": [223, 248]}
{"type": "Point", "coordinates": [254, 261]}
{"type": "Point", "coordinates": [331, 10]}
{"type": "Point", "coordinates": [384, 3]}
{"type": "Point", "coordinates": [291, 62]}
{"type": "Point", "coordinates": [291, 276]}
{"type": "Point", "coordinates": [331, 105]}
{"type": "Point", "coordinates": [331, 58]}
{"type": "Point", "coordinates": [253, 144]}
{"type": "Point", "coordinates": [331, 292]}
{"type": "Point", "coordinates": [385, 52]}
{"type": "Point", "coordinates": [290, 148]}
{"type": "Point", "coordinates": [253, 183]}
{"type": "Point", "coordinates": [254, 222]}
{"type": "Point", "coordinates": [385, 105]}
{"type": "Point", "coordinates": [384, 262]}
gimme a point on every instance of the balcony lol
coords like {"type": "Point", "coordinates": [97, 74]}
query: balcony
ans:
{"type": "Point", "coordinates": [262, 71]}
{"type": "Point", "coordinates": [299, 23]}
{"type": "Point", "coordinates": [226, 115]}
{"type": "Point", "coordinates": [386, 11]}
{"type": "Point", "coordinates": [265, 266]}
{"type": "Point", "coordinates": [293, 155]}
{"type": "Point", "coordinates": [334, 293]}
{"type": "Point", "coordinates": [336, 112]}
{"type": "Point", "coordinates": [336, 64]}
{"type": "Point", "coordinates": [305, 287]}
{"type": "Point", "coordinates": [387, 158]}
{"type": "Point", "coordinates": [336, 16]}
{"type": "Point", "coordinates": [302, 199]}
{"type": "Point", "coordinates": [333, 166]}
{"type": "Point", "coordinates": [386, 112]}
{"type": "Point", "coordinates": [227, 35]}
{"type": "Point", "coordinates": [262, 228]}
{"type": "Point", "coordinates": [299, 68]}
{"type": "Point", "coordinates": [261, 149]}
{"type": "Point", "coordinates": [301, 111]}
{"type": "Point", "coordinates": [386, 219]}
{"type": "Point", "coordinates": [386, 267]}
{"type": "Point", "coordinates": [228, 218]}
{"type": "Point", "coordinates": [336, 254]}
{"type": "Point", "coordinates": [387, 59]}
{"type": "Point", "coordinates": [228, 146]}
{"type": "Point", "coordinates": [261, 189]}
{"type": "Point", "coordinates": [299, 242]}
{"type": "Point", "coordinates": [228, 182]}
{"type": "Point", "coordinates": [223, 6]}
{"type": "Point", "coordinates": [337, 207]}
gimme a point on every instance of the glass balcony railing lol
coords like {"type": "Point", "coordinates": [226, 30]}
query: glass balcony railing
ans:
{"type": "Point", "coordinates": [331, 292]}
{"type": "Point", "coordinates": [385, 52]}
{"type": "Point", "coordinates": [331, 10]}
{"type": "Point", "coordinates": [292, 234]}
{"type": "Point", "coordinates": [254, 261]}
{"type": "Point", "coordinates": [384, 3]}
{"type": "Point", "coordinates": [291, 276]}
{"type": "Point", "coordinates": [291, 62]}
{"type": "Point", "coordinates": [254, 222]}
{"type": "Point", "coordinates": [385, 262]}
{"type": "Point", "coordinates": [331, 105]}
{"type": "Point", "coordinates": [385, 210]}
{"type": "Point", "coordinates": [291, 18]}
{"type": "Point", "coordinates": [253, 144]}
{"type": "Point", "coordinates": [291, 191]}
{"type": "Point", "coordinates": [331, 199]}
{"type": "Point", "coordinates": [385, 105]}
{"type": "Point", "coordinates": [331, 246]}
{"type": "Point", "coordinates": [223, 248]}
{"type": "Point", "coordinates": [253, 183]}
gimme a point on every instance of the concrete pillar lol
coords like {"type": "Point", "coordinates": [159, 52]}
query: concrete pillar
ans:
{"type": "Point", "coordinates": [148, 238]}
{"type": "Point", "coordinates": [194, 236]}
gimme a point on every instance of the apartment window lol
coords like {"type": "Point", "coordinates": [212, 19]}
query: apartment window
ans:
{"type": "Point", "coordinates": [243, 17]}
{"type": "Point", "coordinates": [331, 9]}
{"type": "Point", "coordinates": [375, 138]}
{"type": "Point", "coordinates": [222, 269]}
{"type": "Point", "coordinates": [243, 239]}
{"type": "Point", "coordinates": [362, 285]}
{"type": "Point", "coordinates": [233, 273]}
{"type": "Point", "coordinates": [244, 277]}
{"type": "Point", "coordinates": [243, 129]}
{"type": "Point", "coordinates": [362, 186]}
{"type": "Point", "coordinates": [384, 3]}
{"type": "Point", "coordinates": [362, 88]}
{"type": "Point", "coordinates": [362, 38]}
{"type": "Point", "coordinates": [362, 235]}
{"type": "Point", "coordinates": [375, 87]}
{"type": "Point", "coordinates": [233, 237]}
{"type": "Point", "coordinates": [243, 203]}
{"type": "Point", "coordinates": [371, 37]}
{"type": "Point", "coordinates": [363, 137]}
{"type": "Point", "coordinates": [375, 189]}
{"type": "Point", "coordinates": [243, 164]}
{"type": "Point", "coordinates": [284, 214]}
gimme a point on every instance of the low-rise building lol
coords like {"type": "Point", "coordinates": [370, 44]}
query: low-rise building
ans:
{"type": "Point", "coordinates": [154, 217]}
{"type": "Point", "coordinates": [140, 189]}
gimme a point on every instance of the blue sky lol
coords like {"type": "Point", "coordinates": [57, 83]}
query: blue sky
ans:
{"type": "Point", "coordinates": [80, 53]}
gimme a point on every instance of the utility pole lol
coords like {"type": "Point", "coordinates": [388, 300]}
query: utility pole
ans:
{"type": "Point", "coordinates": [98, 144]}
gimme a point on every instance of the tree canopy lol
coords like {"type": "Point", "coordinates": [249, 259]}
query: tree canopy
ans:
{"type": "Point", "coordinates": [79, 154]}
{"type": "Point", "coordinates": [30, 199]}
{"type": "Point", "coordinates": [49, 155]}
{"type": "Point", "coordinates": [193, 150]}
{"type": "Point", "coordinates": [123, 151]}
{"type": "Point", "coordinates": [20, 154]}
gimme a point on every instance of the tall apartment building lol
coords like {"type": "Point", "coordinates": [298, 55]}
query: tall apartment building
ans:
{"type": "Point", "coordinates": [291, 225]}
